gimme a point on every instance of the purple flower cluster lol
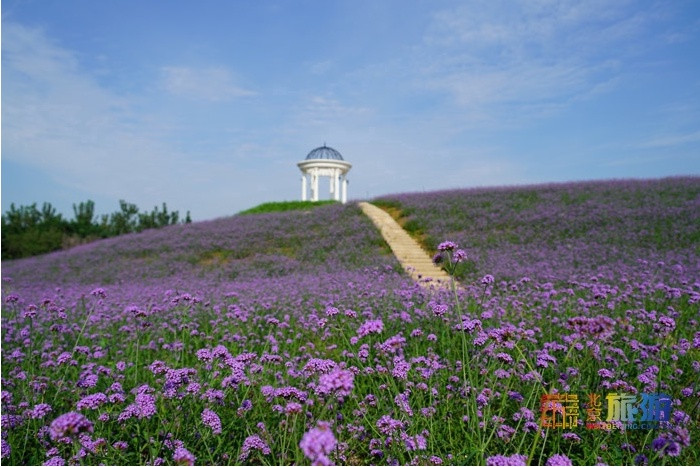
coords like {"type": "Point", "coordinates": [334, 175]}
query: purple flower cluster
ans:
{"type": "Point", "coordinates": [287, 392]}
{"type": "Point", "coordinates": [40, 410]}
{"type": "Point", "coordinates": [338, 382]}
{"type": "Point", "coordinates": [514, 459]}
{"type": "Point", "coordinates": [182, 456]}
{"type": "Point", "coordinates": [144, 406]}
{"type": "Point", "coordinates": [401, 368]}
{"type": "Point", "coordinates": [253, 443]}
{"type": "Point", "coordinates": [318, 443]}
{"type": "Point", "coordinates": [212, 420]}
{"type": "Point", "coordinates": [319, 365]}
{"type": "Point", "coordinates": [558, 459]}
{"type": "Point", "coordinates": [92, 402]}
{"type": "Point", "coordinates": [449, 256]}
{"type": "Point", "coordinates": [370, 326]}
{"type": "Point", "coordinates": [69, 424]}
{"type": "Point", "coordinates": [55, 460]}
{"type": "Point", "coordinates": [387, 425]}
{"type": "Point", "coordinates": [5, 449]}
{"type": "Point", "coordinates": [401, 400]}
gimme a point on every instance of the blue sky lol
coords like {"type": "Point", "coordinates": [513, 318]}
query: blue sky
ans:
{"type": "Point", "coordinates": [208, 105]}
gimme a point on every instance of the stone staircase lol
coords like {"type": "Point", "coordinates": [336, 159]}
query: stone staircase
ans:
{"type": "Point", "coordinates": [415, 261]}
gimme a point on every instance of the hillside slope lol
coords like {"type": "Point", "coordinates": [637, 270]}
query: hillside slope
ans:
{"type": "Point", "coordinates": [329, 238]}
{"type": "Point", "coordinates": [562, 231]}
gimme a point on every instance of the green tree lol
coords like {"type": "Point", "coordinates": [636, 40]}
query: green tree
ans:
{"type": "Point", "coordinates": [125, 220]}
{"type": "Point", "coordinates": [83, 223]}
{"type": "Point", "coordinates": [28, 231]}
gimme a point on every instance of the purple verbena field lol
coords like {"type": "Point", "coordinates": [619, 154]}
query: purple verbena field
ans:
{"type": "Point", "coordinates": [565, 231]}
{"type": "Point", "coordinates": [295, 338]}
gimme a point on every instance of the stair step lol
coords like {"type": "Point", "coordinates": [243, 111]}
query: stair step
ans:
{"type": "Point", "coordinates": [417, 263]}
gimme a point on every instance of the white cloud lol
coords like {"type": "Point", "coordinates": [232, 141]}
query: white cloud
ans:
{"type": "Point", "coordinates": [496, 57]}
{"type": "Point", "coordinates": [509, 27]}
{"type": "Point", "coordinates": [326, 115]}
{"type": "Point", "coordinates": [320, 109]}
{"type": "Point", "coordinates": [54, 115]}
{"type": "Point", "coordinates": [215, 84]}
{"type": "Point", "coordinates": [56, 118]}
{"type": "Point", "coordinates": [671, 140]}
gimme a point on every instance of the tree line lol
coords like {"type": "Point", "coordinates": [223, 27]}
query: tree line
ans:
{"type": "Point", "coordinates": [29, 231]}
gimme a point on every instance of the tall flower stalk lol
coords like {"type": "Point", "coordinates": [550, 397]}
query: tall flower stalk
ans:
{"type": "Point", "coordinates": [449, 256]}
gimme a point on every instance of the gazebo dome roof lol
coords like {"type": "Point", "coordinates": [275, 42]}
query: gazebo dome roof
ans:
{"type": "Point", "coordinates": [324, 152]}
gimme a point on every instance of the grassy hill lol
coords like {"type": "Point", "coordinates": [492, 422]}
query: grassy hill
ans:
{"type": "Point", "coordinates": [283, 206]}
{"type": "Point", "coordinates": [294, 337]}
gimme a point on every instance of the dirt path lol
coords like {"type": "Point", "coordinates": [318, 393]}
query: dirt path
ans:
{"type": "Point", "coordinates": [415, 261]}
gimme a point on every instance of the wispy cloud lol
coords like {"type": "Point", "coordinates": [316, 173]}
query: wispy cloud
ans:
{"type": "Point", "coordinates": [525, 29]}
{"type": "Point", "coordinates": [54, 115]}
{"type": "Point", "coordinates": [58, 119]}
{"type": "Point", "coordinates": [671, 140]}
{"type": "Point", "coordinates": [493, 57]}
{"type": "Point", "coordinates": [319, 109]}
{"type": "Point", "coordinates": [214, 84]}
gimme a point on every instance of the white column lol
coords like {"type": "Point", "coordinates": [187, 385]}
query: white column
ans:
{"type": "Point", "coordinates": [303, 186]}
{"type": "Point", "coordinates": [336, 182]}
{"type": "Point", "coordinates": [314, 196]}
{"type": "Point", "coordinates": [332, 183]}
{"type": "Point", "coordinates": [345, 189]}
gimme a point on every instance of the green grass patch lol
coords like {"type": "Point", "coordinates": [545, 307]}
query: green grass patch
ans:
{"type": "Point", "coordinates": [415, 227]}
{"type": "Point", "coordinates": [387, 204]}
{"type": "Point", "coordinates": [283, 206]}
{"type": "Point", "coordinates": [523, 200]}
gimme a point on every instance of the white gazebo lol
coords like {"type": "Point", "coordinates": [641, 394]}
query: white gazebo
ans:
{"type": "Point", "coordinates": [324, 161]}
